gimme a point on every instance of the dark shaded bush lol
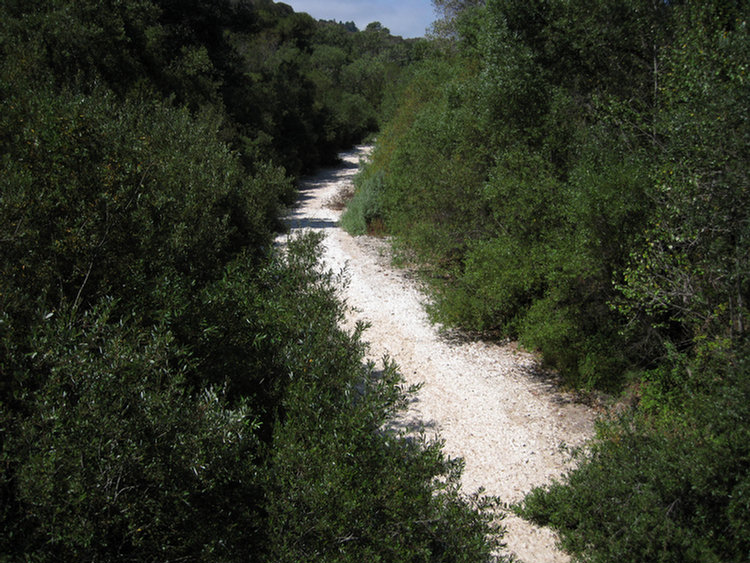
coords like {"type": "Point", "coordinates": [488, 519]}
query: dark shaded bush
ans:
{"type": "Point", "coordinates": [113, 457]}
{"type": "Point", "coordinates": [166, 373]}
{"type": "Point", "coordinates": [107, 199]}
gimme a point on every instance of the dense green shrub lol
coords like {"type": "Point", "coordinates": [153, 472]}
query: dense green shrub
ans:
{"type": "Point", "coordinates": [222, 433]}
{"type": "Point", "coordinates": [111, 456]}
{"type": "Point", "coordinates": [554, 205]}
{"type": "Point", "coordinates": [344, 489]}
{"type": "Point", "coordinates": [102, 198]}
{"type": "Point", "coordinates": [661, 489]}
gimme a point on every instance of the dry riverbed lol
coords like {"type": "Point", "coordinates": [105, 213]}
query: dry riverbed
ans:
{"type": "Point", "coordinates": [488, 402]}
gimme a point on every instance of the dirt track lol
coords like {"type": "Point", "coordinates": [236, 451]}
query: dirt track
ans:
{"type": "Point", "coordinates": [486, 401]}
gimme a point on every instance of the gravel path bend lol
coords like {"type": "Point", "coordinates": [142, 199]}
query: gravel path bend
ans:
{"type": "Point", "coordinates": [486, 401]}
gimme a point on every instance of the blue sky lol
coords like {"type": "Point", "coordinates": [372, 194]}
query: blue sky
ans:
{"type": "Point", "coordinates": [408, 18]}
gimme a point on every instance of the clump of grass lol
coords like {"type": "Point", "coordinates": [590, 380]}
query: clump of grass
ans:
{"type": "Point", "coordinates": [364, 213]}
{"type": "Point", "coordinates": [342, 198]}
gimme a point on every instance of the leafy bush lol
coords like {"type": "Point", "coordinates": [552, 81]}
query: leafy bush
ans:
{"type": "Point", "coordinates": [547, 187]}
{"type": "Point", "coordinates": [107, 199]}
{"type": "Point", "coordinates": [225, 431]}
{"type": "Point", "coordinates": [343, 488]}
{"type": "Point", "coordinates": [674, 491]}
{"type": "Point", "coordinates": [112, 457]}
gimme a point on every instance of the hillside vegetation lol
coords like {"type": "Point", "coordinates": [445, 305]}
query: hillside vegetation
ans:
{"type": "Point", "coordinates": [171, 387]}
{"type": "Point", "coordinates": [574, 175]}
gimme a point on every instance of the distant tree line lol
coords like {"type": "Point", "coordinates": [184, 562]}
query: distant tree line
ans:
{"type": "Point", "coordinates": [172, 388]}
{"type": "Point", "coordinates": [574, 174]}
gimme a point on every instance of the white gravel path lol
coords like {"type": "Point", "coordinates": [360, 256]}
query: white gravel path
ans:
{"type": "Point", "coordinates": [486, 401]}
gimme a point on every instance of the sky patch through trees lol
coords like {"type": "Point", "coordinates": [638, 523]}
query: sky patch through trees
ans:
{"type": "Point", "coordinates": [408, 18]}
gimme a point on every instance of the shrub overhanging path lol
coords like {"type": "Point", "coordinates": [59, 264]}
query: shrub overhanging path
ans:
{"type": "Point", "coordinates": [486, 401]}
